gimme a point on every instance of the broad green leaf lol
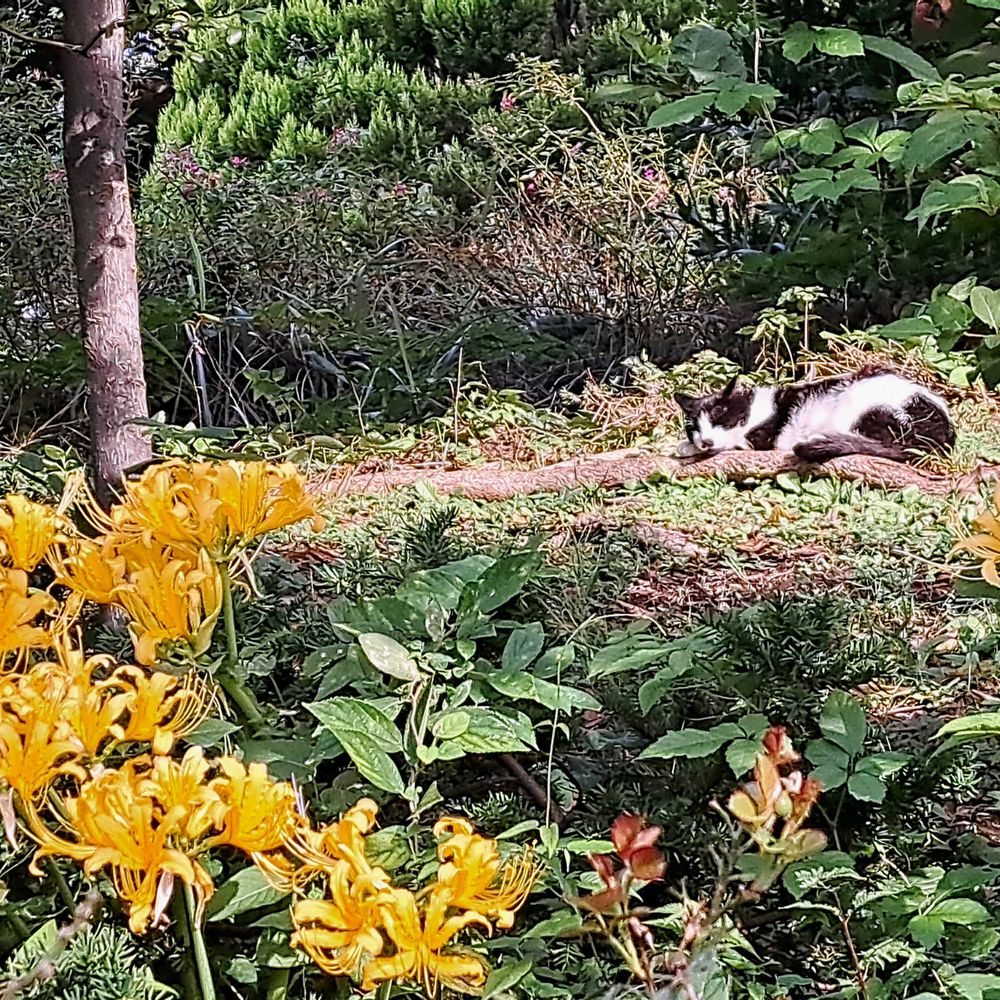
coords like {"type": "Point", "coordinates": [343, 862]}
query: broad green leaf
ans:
{"type": "Point", "coordinates": [242, 970]}
{"type": "Point", "coordinates": [839, 42]}
{"type": "Point", "coordinates": [555, 660]}
{"type": "Point", "coordinates": [388, 848]}
{"type": "Point", "coordinates": [820, 137]}
{"type": "Point", "coordinates": [965, 193]}
{"type": "Point", "coordinates": [562, 922]}
{"type": "Point", "coordinates": [388, 656]}
{"type": "Point", "coordinates": [211, 732]}
{"type": "Point", "coordinates": [367, 735]}
{"type": "Point", "coordinates": [682, 110]}
{"type": "Point", "coordinates": [491, 732]}
{"type": "Point", "coordinates": [829, 775]}
{"type": "Point", "coordinates": [692, 742]}
{"type": "Point", "coordinates": [523, 646]}
{"type": "Point", "coordinates": [504, 580]}
{"type": "Point", "coordinates": [905, 329]}
{"type": "Point", "coordinates": [246, 890]}
{"type": "Point", "coordinates": [975, 985]}
{"type": "Point", "coordinates": [274, 952]}
{"type": "Point", "coordinates": [916, 65]}
{"type": "Point", "coordinates": [741, 755]}
{"type": "Point", "coordinates": [969, 729]}
{"type": "Point", "coordinates": [284, 758]}
{"type": "Point", "coordinates": [344, 714]}
{"type": "Point", "coordinates": [926, 930]}
{"type": "Point", "coordinates": [39, 943]}
{"type": "Point", "coordinates": [506, 977]}
{"type": "Point", "coordinates": [623, 93]}
{"type": "Point", "coordinates": [943, 134]}
{"type": "Point", "coordinates": [628, 654]}
{"type": "Point", "coordinates": [524, 686]}
{"type": "Point", "coordinates": [985, 303]}
{"type": "Point", "coordinates": [450, 725]}
{"type": "Point", "coordinates": [799, 42]}
{"type": "Point", "coordinates": [843, 722]}
{"type": "Point", "coordinates": [965, 879]}
{"type": "Point", "coordinates": [866, 787]}
{"type": "Point", "coordinates": [960, 911]}
{"type": "Point", "coordinates": [883, 765]}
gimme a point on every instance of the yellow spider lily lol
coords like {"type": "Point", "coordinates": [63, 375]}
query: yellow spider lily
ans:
{"type": "Point", "coordinates": [474, 878]}
{"type": "Point", "coordinates": [117, 826]}
{"type": "Point", "coordinates": [419, 938]}
{"type": "Point", "coordinates": [27, 531]}
{"type": "Point", "coordinates": [33, 753]}
{"type": "Point", "coordinates": [179, 604]}
{"type": "Point", "coordinates": [180, 790]}
{"type": "Point", "coordinates": [92, 570]}
{"type": "Point", "coordinates": [19, 609]}
{"type": "Point", "coordinates": [985, 542]}
{"type": "Point", "coordinates": [259, 814]}
{"type": "Point", "coordinates": [161, 707]}
{"type": "Point", "coordinates": [340, 933]}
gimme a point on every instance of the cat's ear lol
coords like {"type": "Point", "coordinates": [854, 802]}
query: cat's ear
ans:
{"type": "Point", "coordinates": [731, 388]}
{"type": "Point", "coordinates": [685, 402]}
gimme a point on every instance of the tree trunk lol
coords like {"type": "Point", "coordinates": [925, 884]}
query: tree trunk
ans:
{"type": "Point", "coordinates": [104, 237]}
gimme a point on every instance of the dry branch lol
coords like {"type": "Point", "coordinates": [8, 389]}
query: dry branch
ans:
{"type": "Point", "coordinates": [616, 468]}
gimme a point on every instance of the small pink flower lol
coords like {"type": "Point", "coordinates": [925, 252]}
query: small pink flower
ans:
{"type": "Point", "coordinates": [507, 102]}
{"type": "Point", "coordinates": [649, 174]}
{"type": "Point", "coordinates": [401, 190]}
{"type": "Point", "coordinates": [239, 161]}
{"type": "Point", "coordinates": [531, 187]}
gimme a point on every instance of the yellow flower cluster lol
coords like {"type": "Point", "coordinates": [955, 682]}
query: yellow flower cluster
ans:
{"type": "Point", "coordinates": [148, 821]}
{"type": "Point", "coordinates": [165, 551]}
{"type": "Point", "coordinates": [85, 742]}
{"type": "Point", "coordinates": [368, 928]}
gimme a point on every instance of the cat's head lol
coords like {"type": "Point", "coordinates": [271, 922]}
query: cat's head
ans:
{"type": "Point", "coordinates": [718, 421]}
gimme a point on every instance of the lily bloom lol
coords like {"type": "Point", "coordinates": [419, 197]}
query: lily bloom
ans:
{"type": "Point", "coordinates": [91, 569]}
{"type": "Point", "coordinates": [178, 605]}
{"type": "Point", "coordinates": [473, 877]}
{"type": "Point", "coordinates": [258, 814]}
{"type": "Point", "coordinates": [419, 939]}
{"type": "Point", "coordinates": [27, 531]}
{"type": "Point", "coordinates": [116, 826]}
{"type": "Point", "coordinates": [20, 607]}
{"type": "Point", "coordinates": [341, 932]}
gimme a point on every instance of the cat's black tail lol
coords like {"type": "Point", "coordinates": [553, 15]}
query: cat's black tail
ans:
{"type": "Point", "coordinates": [822, 449]}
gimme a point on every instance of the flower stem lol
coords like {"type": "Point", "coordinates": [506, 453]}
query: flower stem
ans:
{"type": "Point", "coordinates": [198, 949]}
{"type": "Point", "coordinates": [63, 889]}
{"type": "Point", "coordinates": [276, 984]}
{"type": "Point", "coordinates": [189, 978]}
{"type": "Point", "coordinates": [242, 698]}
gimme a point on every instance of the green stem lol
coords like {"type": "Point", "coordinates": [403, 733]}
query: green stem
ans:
{"type": "Point", "coordinates": [57, 876]}
{"type": "Point", "coordinates": [189, 978]}
{"type": "Point", "coordinates": [198, 948]}
{"type": "Point", "coordinates": [241, 697]}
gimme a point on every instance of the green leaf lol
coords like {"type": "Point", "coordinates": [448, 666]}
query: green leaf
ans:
{"type": "Point", "coordinates": [960, 911]}
{"type": "Point", "coordinates": [866, 787]}
{"type": "Point", "coordinates": [799, 42]}
{"type": "Point", "coordinates": [628, 654]}
{"type": "Point", "coordinates": [519, 685]}
{"type": "Point", "coordinates": [367, 735]}
{"type": "Point", "coordinates": [969, 729]}
{"type": "Point", "coordinates": [39, 943]}
{"type": "Point", "coordinates": [681, 111]}
{"type": "Point", "coordinates": [651, 691]}
{"type": "Point", "coordinates": [802, 876]}
{"type": "Point", "coordinates": [450, 725]}
{"type": "Point", "coordinates": [390, 657]}
{"type": "Point", "coordinates": [211, 732]}
{"type": "Point", "coordinates": [905, 329]}
{"type": "Point", "coordinates": [965, 193]}
{"type": "Point", "coordinates": [504, 580]}
{"type": "Point", "coordinates": [741, 755]}
{"type": "Point", "coordinates": [523, 646]}
{"type": "Point", "coordinates": [943, 134]}
{"type": "Point", "coordinates": [916, 65]}
{"type": "Point", "coordinates": [242, 970]}
{"type": "Point", "coordinates": [692, 742]}
{"type": "Point", "coordinates": [246, 890]}
{"type": "Point", "coordinates": [623, 93]}
{"type": "Point", "coordinates": [507, 976]}
{"type": "Point", "coordinates": [274, 952]}
{"type": "Point", "coordinates": [839, 42]}
{"type": "Point", "coordinates": [883, 765]}
{"type": "Point", "coordinates": [830, 776]}
{"type": "Point", "coordinates": [489, 731]}
{"type": "Point", "coordinates": [926, 930]}
{"type": "Point", "coordinates": [973, 985]}
{"type": "Point", "coordinates": [985, 303]}
{"type": "Point", "coordinates": [843, 722]}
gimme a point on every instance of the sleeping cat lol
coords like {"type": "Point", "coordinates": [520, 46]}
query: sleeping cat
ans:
{"type": "Point", "coordinates": [870, 412]}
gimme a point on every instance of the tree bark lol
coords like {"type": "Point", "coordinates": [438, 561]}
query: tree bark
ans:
{"type": "Point", "coordinates": [104, 236]}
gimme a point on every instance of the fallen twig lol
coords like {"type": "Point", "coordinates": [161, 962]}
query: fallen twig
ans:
{"type": "Point", "coordinates": [553, 814]}
{"type": "Point", "coordinates": [616, 468]}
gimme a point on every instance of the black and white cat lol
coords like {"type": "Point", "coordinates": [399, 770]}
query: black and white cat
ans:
{"type": "Point", "coordinates": [870, 412]}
